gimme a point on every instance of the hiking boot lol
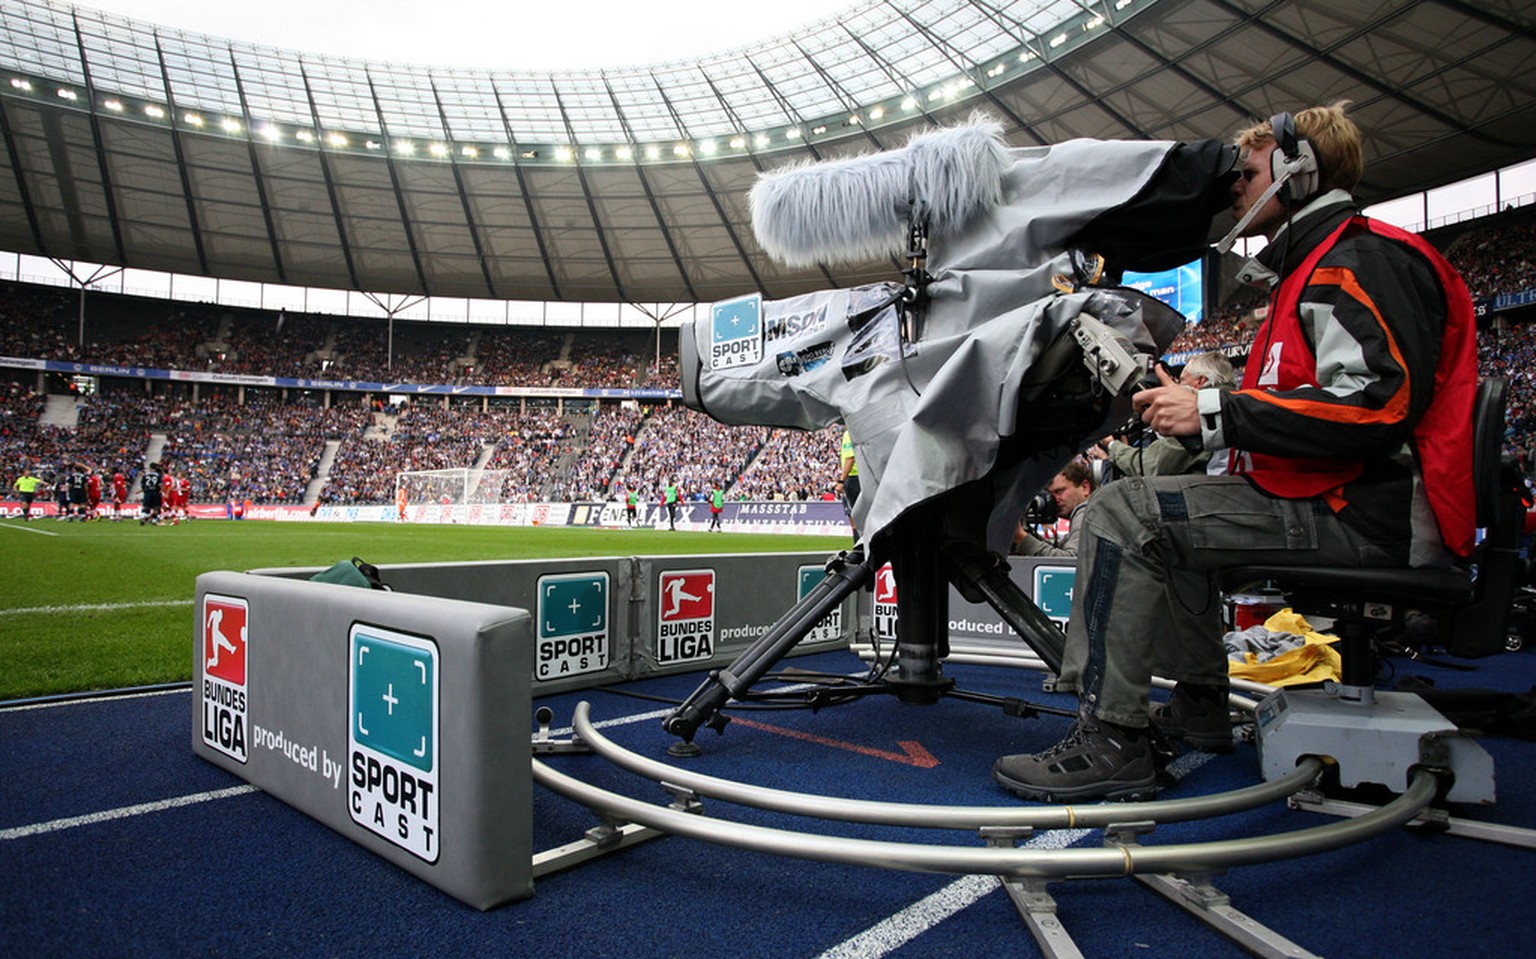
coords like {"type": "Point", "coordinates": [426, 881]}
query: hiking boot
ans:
{"type": "Point", "coordinates": [1198, 715]}
{"type": "Point", "coordinates": [1096, 760]}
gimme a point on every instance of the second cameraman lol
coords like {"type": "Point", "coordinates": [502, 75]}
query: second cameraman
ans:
{"type": "Point", "coordinates": [1069, 491]}
{"type": "Point", "coordinates": [1166, 455]}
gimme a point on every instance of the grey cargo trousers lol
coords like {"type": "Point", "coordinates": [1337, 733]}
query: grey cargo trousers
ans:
{"type": "Point", "coordinates": [1145, 602]}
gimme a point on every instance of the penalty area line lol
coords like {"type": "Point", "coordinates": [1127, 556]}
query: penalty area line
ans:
{"type": "Point", "coordinates": [125, 812]}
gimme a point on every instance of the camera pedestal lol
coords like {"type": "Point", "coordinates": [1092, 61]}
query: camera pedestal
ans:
{"type": "Point", "coordinates": [925, 559]}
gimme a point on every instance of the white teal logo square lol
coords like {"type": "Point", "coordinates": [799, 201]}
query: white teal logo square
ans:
{"type": "Point", "coordinates": [830, 626]}
{"type": "Point", "coordinates": [572, 618]}
{"type": "Point", "coordinates": [392, 737]}
{"type": "Point", "coordinates": [1053, 591]}
{"type": "Point", "coordinates": [736, 332]}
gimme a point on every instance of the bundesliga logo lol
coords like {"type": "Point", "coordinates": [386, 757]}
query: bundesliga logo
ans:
{"type": "Point", "coordinates": [685, 627]}
{"type": "Point", "coordinates": [226, 711]}
{"type": "Point", "coordinates": [885, 603]}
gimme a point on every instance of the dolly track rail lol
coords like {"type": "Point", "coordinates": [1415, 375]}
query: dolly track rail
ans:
{"type": "Point", "coordinates": [944, 817]}
{"type": "Point", "coordinates": [1119, 860]}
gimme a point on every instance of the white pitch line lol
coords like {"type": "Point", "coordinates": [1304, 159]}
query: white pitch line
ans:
{"type": "Point", "coordinates": [27, 529]}
{"type": "Point", "coordinates": [125, 812]}
{"type": "Point", "coordinates": [114, 698]}
{"type": "Point", "coordinates": [96, 607]}
{"type": "Point", "coordinates": [890, 934]}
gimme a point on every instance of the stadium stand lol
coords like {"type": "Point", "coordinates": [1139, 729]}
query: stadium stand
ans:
{"type": "Point", "coordinates": [267, 445]}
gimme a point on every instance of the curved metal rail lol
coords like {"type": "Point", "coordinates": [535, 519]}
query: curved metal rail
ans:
{"type": "Point", "coordinates": [1120, 860]}
{"type": "Point", "coordinates": [943, 817]}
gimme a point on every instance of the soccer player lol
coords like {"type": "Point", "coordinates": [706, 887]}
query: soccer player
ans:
{"type": "Point", "coordinates": [92, 494]}
{"type": "Point", "coordinates": [119, 494]}
{"type": "Point", "coordinates": [152, 481]}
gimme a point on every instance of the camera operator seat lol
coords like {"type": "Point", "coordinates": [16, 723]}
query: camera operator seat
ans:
{"type": "Point", "coordinates": [1464, 608]}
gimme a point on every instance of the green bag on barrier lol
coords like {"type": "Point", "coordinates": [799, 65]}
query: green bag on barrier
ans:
{"type": "Point", "coordinates": [351, 572]}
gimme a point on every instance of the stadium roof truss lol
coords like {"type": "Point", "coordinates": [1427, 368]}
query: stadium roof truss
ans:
{"type": "Point", "coordinates": [140, 146]}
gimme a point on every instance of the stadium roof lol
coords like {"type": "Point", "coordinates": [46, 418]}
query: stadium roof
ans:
{"type": "Point", "coordinates": [152, 148]}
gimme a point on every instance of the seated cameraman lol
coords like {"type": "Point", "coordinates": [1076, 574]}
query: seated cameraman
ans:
{"type": "Point", "coordinates": [1167, 455]}
{"type": "Point", "coordinates": [1070, 490]}
{"type": "Point", "coordinates": [1351, 442]}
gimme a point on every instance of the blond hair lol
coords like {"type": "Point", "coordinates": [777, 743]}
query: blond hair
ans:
{"type": "Point", "coordinates": [1334, 138]}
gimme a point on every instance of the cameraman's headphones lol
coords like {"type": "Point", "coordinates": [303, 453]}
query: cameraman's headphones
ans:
{"type": "Point", "coordinates": [1293, 164]}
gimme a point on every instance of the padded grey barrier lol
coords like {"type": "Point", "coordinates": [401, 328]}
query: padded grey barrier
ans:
{"type": "Point", "coordinates": [608, 619]}
{"type": "Point", "coordinates": [1046, 580]}
{"type": "Point", "coordinates": [399, 718]}
{"type": "Point", "coordinates": [699, 611]}
{"type": "Point", "coordinates": [396, 719]}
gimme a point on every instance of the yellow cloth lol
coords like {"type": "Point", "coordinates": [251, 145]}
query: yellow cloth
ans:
{"type": "Point", "coordinates": [1315, 662]}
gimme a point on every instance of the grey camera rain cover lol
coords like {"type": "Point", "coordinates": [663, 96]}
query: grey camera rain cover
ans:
{"type": "Point", "coordinates": [927, 414]}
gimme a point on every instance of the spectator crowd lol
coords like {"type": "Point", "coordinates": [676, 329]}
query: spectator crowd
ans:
{"type": "Point", "coordinates": [290, 447]}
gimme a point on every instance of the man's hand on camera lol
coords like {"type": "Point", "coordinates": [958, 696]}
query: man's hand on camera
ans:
{"type": "Point", "coordinates": [1170, 408]}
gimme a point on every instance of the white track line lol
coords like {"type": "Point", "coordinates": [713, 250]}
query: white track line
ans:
{"type": "Point", "coordinates": [125, 812]}
{"type": "Point", "coordinates": [96, 607]}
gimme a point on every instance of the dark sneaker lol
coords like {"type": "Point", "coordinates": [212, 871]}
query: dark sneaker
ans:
{"type": "Point", "coordinates": [1198, 715]}
{"type": "Point", "coordinates": [1095, 761]}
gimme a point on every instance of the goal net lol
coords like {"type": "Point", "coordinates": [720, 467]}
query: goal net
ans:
{"type": "Point", "coordinates": [450, 487]}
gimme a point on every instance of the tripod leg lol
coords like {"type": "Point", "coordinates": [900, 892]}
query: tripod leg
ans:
{"type": "Point", "coordinates": [703, 706]}
{"type": "Point", "coordinates": [986, 573]}
{"type": "Point", "coordinates": [922, 622]}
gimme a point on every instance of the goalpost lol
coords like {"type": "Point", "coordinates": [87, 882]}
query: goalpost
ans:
{"type": "Point", "coordinates": [450, 487]}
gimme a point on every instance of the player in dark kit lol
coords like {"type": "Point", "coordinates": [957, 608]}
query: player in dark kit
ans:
{"type": "Point", "coordinates": [152, 481]}
{"type": "Point", "coordinates": [77, 492]}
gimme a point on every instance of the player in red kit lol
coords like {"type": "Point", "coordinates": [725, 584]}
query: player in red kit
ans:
{"type": "Point", "coordinates": [119, 493]}
{"type": "Point", "coordinates": [92, 494]}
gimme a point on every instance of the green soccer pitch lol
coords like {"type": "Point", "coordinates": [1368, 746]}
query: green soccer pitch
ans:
{"type": "Point", "coordinates": [102, 605]}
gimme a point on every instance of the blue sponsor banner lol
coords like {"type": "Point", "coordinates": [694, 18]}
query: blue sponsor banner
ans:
{"type": "Point", "coordinates": [354, 386]}
{"type": "Point", "coordinates": [1504, 301]}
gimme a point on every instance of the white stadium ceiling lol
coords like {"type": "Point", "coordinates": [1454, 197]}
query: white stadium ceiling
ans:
{"type": "Point", "coordinates": [149, 147]}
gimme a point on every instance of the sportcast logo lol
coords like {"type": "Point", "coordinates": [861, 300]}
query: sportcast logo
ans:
{"type": "Point", "coordinates": [1053, 592]}
{"type": "Point", "coordinates": [831, 625]}
{"type": "Point", "coordinates": [685, 616]}
{"type": "Point", "coordinates": [572, 625]}
{"type": "Point", "coordinates": [226, 710]}
{"type": "Point", "coordinates": [736, 332]}
{"type": "Point", "coordinates": [392, 738]}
